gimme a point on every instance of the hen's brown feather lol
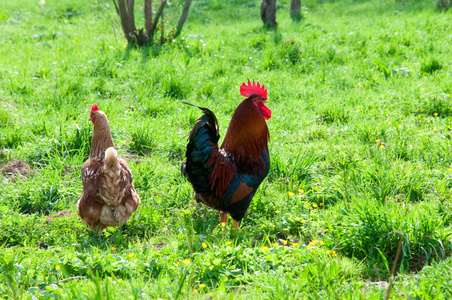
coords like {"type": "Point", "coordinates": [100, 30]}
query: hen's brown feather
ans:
{"type": "Point", "coordinates": [109, 197]}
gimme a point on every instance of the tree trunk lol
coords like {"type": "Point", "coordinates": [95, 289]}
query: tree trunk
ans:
{"type": "Point", "coordinates": [183, 17]}
{"type": "Point", "coordinates": [295, 12]}
{"type": "Point", "coordinates": [268, 13]}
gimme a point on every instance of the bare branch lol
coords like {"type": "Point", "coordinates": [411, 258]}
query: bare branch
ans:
{"type": "Point", "coordinates": [116, 7]}
{"type": "Point", "coordinates": [131, 13]}
{"type": "Point", "coordinates": [147, 15]}
{"type": "Point", "coordinates": [156, 19]}
{"type": "Point", "coordinates": [183, 17]}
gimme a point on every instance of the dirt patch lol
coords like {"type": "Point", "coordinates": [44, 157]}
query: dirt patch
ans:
{"type": "Point", "coordinates": [59, 214]}
{"type": "Point", "coordinates": [15, 168]}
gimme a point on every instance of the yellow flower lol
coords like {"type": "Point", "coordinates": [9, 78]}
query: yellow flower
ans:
{"type": "Point", "coordinates": [328, 251]}
{"type": "Point", "coordinates": [422, 89]}
{"type": "Point", "coordinates": [186, 261]}
{"type": "Point", "coordinates": [130, 255]}
{"type": "Point", "coordinates": [294, 244]}
{"type": "Point", "coordinates": [334, 253]}
{"type": "Point", "coordinates": [291, 194]}
{"type": "Point", "coordinates": [195, 291]}
{"type": "Point", "coordinates": [204, 245]}
{"type": "Point", "coordinates": [418, 166]}
{"type": "Point", "coordinates": [57, 267]}
{"type": "Point", "coordinates": [321, 243]}
{"type": "Point", "coordinates": [321, 204]}
{"type": "Point", "coordinates": [316, 187]}
{"type": "Point", "coordinates": [223, 224]}
{"type": "Point", "coordinates": [113, 248]}
{"type": "Point", "coordinates": [167, 101]}
{"type": "Point", "coordinates": [314, 205]}
{"type": "Point", "coordinates": [284, 242]}
{"type": "Point", "coordinates": [340, 172]}
{"type": "Point", "coordinates": [265, 248]}
{"type": "Point", "coordinates": [420, 134]}
{"type": "Point", "coordinates": [309, 247]}
{"type": "Point", "coordinates": [275, 244]}
{"type": "Point", "coordinates": [301, 191]}
{"type": "Point", "coordinates": [377, 140]}
{"type": "Point", "coordinates": [202, 285]}
{"type": "Point", "coordinates": [303, 221]}
{"type": "Point", "coordinates": [357, 109]}
{"type": "Point", "coordinates": [274, 138]}
{"type": "Point", "coordinates": [448, 126]}
{"type": "Point", "coordinates": [434, 128]}
{"type": "Point", "coordinates": [389, 122]}
{"type": "Point", "coordinates": [382, 146]}
{"type": "Point", "coordinates": [229, 242]}
{"type": "Point", "coordinates": [345, 88]}
{"type": "Point", "coordinates": [435, 114]}
{"type": "Point", "coordinates": [277, 211]}
{"type": "Point", "coordinates": [400, 125]}
{"type": "Point", "coordinates": [450, 169]}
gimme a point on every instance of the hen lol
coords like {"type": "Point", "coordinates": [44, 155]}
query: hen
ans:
{"type": "Point", "coordinates": [227, 177]}
{"type": "Point", "coordinates": [109, 197]}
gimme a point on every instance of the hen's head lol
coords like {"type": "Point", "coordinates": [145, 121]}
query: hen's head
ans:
{"type": "Point", "coordinates": [92, 115]}
{"type": "Point", "coordinates": [260, 98]}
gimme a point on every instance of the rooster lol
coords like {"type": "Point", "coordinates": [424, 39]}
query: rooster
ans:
{"type": "Point", "coordinates": [227, 177]}
{"type": "Point", "coordinates": [109, 197]}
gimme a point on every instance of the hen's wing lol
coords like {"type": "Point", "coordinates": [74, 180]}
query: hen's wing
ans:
{"type": "Point", "coordinates": [109, 197]}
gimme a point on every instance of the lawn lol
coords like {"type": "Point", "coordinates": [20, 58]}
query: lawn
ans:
{"type": "Point", "coordinates": [361, 151]}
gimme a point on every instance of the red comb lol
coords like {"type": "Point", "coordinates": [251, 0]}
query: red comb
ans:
{"type": "Point", "coordinates": [94, 108]}
{"type": "Point", "coordinates": [249, 89]}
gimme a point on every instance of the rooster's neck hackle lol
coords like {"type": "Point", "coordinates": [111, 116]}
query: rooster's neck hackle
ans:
{"type": "Point", "coordinates": [247, 135]}
{"type": "Point", "coordinates": [102, 138]}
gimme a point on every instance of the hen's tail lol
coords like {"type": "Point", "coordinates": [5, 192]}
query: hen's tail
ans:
{"type": "Point", "coordinates": [111, 161]}
{"type": "Point", "coordinates": [202, 140]}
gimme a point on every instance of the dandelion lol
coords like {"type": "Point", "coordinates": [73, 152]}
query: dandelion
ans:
{"type": "Point", "coordinates": [418, 166]}
{"type": "Point", "coordinates": [229, 242]}
{"type": "Point", "coordinates": [448, 126]}
{"type": "Point", "coordinates": [301, 191]}
{"type": "Point", "coordinates": [284, 242]}
{"type": "Point", "coordinates": [223, 224]}
{"type": "Point", "coordinates": [345, 88]}
{"type": "Point", "coordinates": [186, 261]}
{"type": "Point", "coordinates": [291, 194]}
{"type": "Point", "coordinates": [316, 187]}
{"type": "Point", "coordinates": [389, 122]}
{"type": "Point", "coordinates": [420, 134]}
{"type": "Point", "coordinates": [294, 244]}
{"type": "Point", "coordinates": [204, 245]}
{"type": "Point", "coordinates": [400, 125]}
{"type": "Point", "coordinates": [321, 204]}
{"type": "Point", "coordinates": [435, 114]}
{"type": "Point", "coordinates": [382, 146]}
{"type": "Point", "coordinates": [321, 243]}
{"type": "Point", "coordinates": [57, 267]}
{"type": "Point", "coordinates": [167, 101]}
{"type": "Point", "coordinates": [357, 110]}
{"type": "Point", "coordinates": [277, 211]}
{"type": "Point", "coordinates": [450, 169]}
{"type": "Point", "coordinates": [113, 248]}
{"type": "Point", "coordinates": [340, 172]}
{"type": "Point", "coordinates": [434, 128]}
{"type": "Point", "coordinates": [314, 205]}
{"type": "Point", "coordinates": [265, 248]}
{"type": "Point", "coordinates": [275, 244]}
{"type": "Point", "coordinates": [377, 140]}
{"type": "Point", "coordinates": [328, 251]}
{"type": "Point", "coordinates": [202, 285]}
{"type": "Point", "coordinates": [422, 89]}
{"type": "Point", "coordinates": [274, 138]}
{"type": "Point", "coordinates": [195, 291]}
{"type": "Point", "coordinates": [130, 254]}
{"type": "Point", "coordinates": [360, 86]}
{"type": "Point", "coordinates": [334, 253]}
{"type": "Point", "coordinates": [303, 221]}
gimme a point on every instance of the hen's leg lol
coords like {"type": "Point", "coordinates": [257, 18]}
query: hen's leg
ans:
{"type": "Point", "coordinates": [223, 217]}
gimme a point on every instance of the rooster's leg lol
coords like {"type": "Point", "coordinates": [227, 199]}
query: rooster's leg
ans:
{"type": "Point", "coordinates": [223, 217]}
{"type": "Point", "coordinates": [236, 224]}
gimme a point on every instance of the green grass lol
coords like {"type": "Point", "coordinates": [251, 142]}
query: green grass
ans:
{"type": "Point", "coordinates": [360, 151]}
